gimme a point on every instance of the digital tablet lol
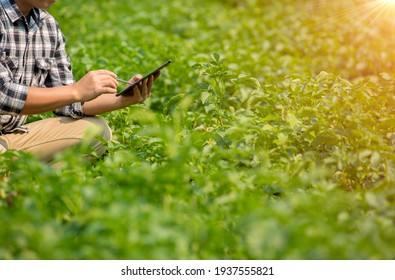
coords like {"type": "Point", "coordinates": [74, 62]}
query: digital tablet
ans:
{"type": "Point", "coordinates": [132, 85]}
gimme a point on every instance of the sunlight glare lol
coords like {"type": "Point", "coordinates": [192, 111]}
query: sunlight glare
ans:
{"type": "Point", "coordinates": [387, 2]}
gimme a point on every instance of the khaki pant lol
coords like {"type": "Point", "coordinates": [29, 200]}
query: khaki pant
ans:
{"type": "Point", "coordinates": [50, 136]}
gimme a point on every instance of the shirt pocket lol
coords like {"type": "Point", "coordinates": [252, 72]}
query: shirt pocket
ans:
{"type": "Point", "coordinates": [8, 64]}
{"type": "Point", "coordinates": [42, 68]}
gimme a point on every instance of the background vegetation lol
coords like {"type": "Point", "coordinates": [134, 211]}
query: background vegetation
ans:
{"type": "Point", "coordinates": [272, 136]}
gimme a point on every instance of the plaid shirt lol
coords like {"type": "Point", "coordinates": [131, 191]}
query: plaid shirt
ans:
{"type": "Point", "coordinates": [32, 54]}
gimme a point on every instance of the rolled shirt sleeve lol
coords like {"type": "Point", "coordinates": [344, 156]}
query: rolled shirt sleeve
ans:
{"type": "Point", "coordinates": [12, 97]}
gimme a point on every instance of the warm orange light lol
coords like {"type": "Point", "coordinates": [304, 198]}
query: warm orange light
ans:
{"type": "Point", "coordinates": [387, 2]}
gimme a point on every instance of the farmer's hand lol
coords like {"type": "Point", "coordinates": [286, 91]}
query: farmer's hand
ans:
{"type": "Point", "coordinates": [140, 92]}
{"type": "Point", "coordinates": [94, 84]}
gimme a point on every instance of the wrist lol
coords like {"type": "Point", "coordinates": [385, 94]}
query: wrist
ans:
{"type": "Point", "coordinates": [75, 93]}
{"type": "Point", "coordinates": [123, 101]}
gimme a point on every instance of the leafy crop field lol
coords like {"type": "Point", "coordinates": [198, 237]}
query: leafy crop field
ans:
{"type": "Point", "coordinates": [272, 136]}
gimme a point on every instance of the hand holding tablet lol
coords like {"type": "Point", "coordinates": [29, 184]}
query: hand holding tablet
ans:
{"type": "Point", "coordinates": [133, 84]}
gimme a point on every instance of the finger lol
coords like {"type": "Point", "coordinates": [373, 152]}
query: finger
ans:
{"type": "Point", "coordinates": [135, 78]}
{"type": "Point", "coordinates": [156, 75]}
{"type": "Point", "coordinates": [144, 90]}
{"type": "Point", "coordinates": [106, 72]}
{"type": "Point", "coordinates": [152, 80]}
{"type": "Point", "coordinates": [136, 91]}
{"type": "Point", "coordinates": [140, 91]}
{"type": "Point", "coordinates": [110, 82]}
{"type": "Point", "coordinates": [150, 84]}
{"type": "Point", "coordinates": [108, 90]}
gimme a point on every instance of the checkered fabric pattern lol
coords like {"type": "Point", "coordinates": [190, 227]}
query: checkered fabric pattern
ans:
{"type": "Point", "coordinates": [32, 54]}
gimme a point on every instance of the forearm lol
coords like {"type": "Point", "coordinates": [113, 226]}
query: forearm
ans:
{"type": "Point", "coordinates": [103, 104]}
{"type": "Point", "coordinates": [110, 102]}
{"type": "Point", "coordinates": [41, 100]}
{"type": "Point", "coordinates": [90, 87]}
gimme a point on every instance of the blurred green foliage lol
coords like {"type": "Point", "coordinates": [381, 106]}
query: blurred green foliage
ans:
{"type": "Point", "coordinates": [270, 137]}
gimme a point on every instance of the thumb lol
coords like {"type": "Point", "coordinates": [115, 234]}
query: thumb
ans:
{"type": "Point", "coordinates": [136, 78]}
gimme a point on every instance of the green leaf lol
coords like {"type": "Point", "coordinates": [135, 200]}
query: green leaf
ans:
{"type": "Point", "coordinates": [292, 120]}
{"type": "Point", "coordinates": [205, 96]}
{"type": "Point", "coordinates": [282, 138]}
{"type": "Point", "coordinates": [375, 159]}
{"type": "Point", "coordinates": [217, 57]}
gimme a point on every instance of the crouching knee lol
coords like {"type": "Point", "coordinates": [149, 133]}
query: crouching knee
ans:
{"type": "Point", "coordinates": [100, 132]}
{"type": "Point", "coordinates": [103, 128]}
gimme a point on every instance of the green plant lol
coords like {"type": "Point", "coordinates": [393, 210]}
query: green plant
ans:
{"type": "Point", "coordinates": [270, 137]}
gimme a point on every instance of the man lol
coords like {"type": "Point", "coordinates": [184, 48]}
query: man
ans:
{"type": "Point", "coordinates": [36, 77]}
